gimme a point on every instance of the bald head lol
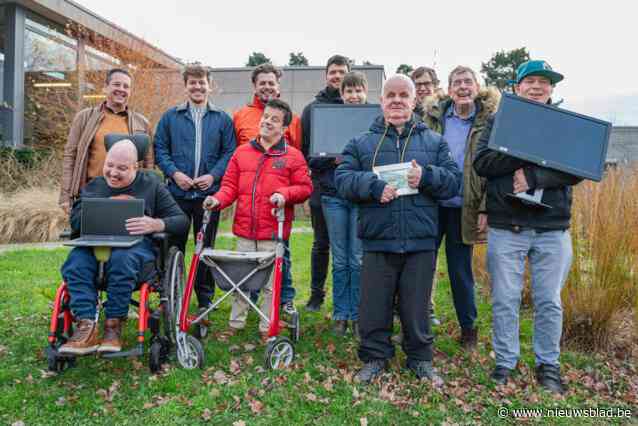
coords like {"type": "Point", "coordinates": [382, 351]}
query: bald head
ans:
{"type": "Point", "coordinates": [120, 166]}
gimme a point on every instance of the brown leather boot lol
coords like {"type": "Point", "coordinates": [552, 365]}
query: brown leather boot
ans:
{"type": "Point", "coordinates": [469, 338]}
{"type": "Point", "coordinates": [112, 340]}
{"type": "Point", "coordinates": [84, 340]}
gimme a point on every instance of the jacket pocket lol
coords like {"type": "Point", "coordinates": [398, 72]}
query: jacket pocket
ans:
{"type": "Point", "coordinates": [421, 217]}
{"type": "Point", "coordinates": [377, 222]}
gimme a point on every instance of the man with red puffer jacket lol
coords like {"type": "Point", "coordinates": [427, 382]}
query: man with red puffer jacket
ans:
{"type": "Point", "coordinates": [261, 174]}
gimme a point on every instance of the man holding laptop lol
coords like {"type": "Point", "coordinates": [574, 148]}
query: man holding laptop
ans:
{"type": "Point", "coordinates": [519, 230]}
{"type": "Point", "coordinates": [124, 269]}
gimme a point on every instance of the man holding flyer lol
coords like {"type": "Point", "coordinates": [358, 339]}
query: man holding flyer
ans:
{"type": "Point", "coordinates": [397, 225]}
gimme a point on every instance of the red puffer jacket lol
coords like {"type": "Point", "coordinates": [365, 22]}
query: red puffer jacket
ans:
{"type": "Point", "coordinates": [252, 176]}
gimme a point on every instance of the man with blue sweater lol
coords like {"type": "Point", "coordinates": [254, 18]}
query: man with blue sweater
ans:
{"type": "Point", "coordinates": [193, 144]}
{"type": "Point", "coordinates": [398, 232]}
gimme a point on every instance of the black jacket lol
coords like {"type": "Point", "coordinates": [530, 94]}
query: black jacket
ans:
{"type": "Point", "coordinates": [322, 168]}
{"type": "Point", "coordinates": [410, 222]}
{"type": "Point", "coordinates": [158, 202]}
{"type": "Point", "coordinates": [508, 213]}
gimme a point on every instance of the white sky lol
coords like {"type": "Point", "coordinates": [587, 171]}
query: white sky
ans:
{"type": "Point", "coordinates": [593, 44]}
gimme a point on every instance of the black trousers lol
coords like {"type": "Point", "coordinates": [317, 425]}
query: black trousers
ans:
{"type": "Point", "coordinates": [459, 265]}
{"type": "Point", "coordinates": [320, 254]}
{"type": "Point", "coordinates": [409, 275]}
{"type": "Point", "coordinates": [204, 283]}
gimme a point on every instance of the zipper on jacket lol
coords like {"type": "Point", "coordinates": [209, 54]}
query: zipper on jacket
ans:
{"type": "Point", "coordinates": [253, 226]}
{"type": "Point", "coordinates": [401, 200]}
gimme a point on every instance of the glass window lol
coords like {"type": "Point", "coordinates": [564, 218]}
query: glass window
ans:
{"type": "Point", "coordinates": [50, 83]}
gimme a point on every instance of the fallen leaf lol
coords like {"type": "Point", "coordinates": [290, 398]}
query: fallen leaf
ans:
{"type": "Point", "coordinates": [363, 421]}
{"type": "Point", "coordinates": [18, 423]}
{"type": "Point", "coordinates": [249, 347]}
{"type": "Point", "coordinates": [239, 423]}
{"type": "Point", "coordinates": [331, 347]}
{"type": "Point", "coordinates": [306, 378]}
{"type": "Point", "coordinates": [235, 368]}
{"type": "Point", "coordinates": [214, 393]}
{"type": "Point", "coordinates": [234, 348]}
{"type": "Point", "coordinates": [220, 377]}
{"type": "Point", "coordinates": [148, 405]}
{"type": "Point", "coordinates": [60, 401]}
{"type": "Point", "coordinates": [256, 406]}
{"type": "Point", "coordinates": [207, 414]}
{"type": "Point", "coordinates": [3, 351]}
{"type": "Point", "coordinates": [311, 397]}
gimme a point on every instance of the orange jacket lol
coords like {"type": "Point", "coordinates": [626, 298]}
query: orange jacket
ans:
{"type": "Point", "coordinates": [246, 122]}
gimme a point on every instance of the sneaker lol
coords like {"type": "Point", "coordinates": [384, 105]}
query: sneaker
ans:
{"type": "Point", "coordinates": [314, 303]}
{"type": "Point", "coordinates": [423, 370]}
{"type": "Point", "coordinates": [340, 327]}
{"type": "Point", "coordinates": [548, 376]}
{"type": "Point", "coordinates": [469, 338]}
{"type": "Point", "coordinates": [433, 319]}
{"type": "Point", "coordinates": [289, 308]}
{"type": "Point", "coordinates": [83, 341]}
{"type": "Point", "coordinates": [500, 375]}
{"type": "Point", "coordinates": [371, 370]}
{"type": "Point", "coordinates": [112, 340]}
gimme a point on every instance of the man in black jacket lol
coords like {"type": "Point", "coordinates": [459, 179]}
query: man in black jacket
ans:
{"type": "Point", "coordinates": [398, 232]}
{"type": "Point", "coordinates": [336, 69]}
{"type": "Point", "coordinates": [518, 231]}
{"type": "Point", "coordinates": [125, 267]}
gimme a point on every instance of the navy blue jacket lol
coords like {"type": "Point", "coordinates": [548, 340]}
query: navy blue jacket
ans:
{"type": "Point", "coordinates": [174, 146]}
{"type": "Point", "coordinates": [410, 222]}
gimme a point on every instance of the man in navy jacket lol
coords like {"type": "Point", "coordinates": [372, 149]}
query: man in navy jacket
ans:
{"type": "Point", "coordinates": [398, 233]}
{"type": "Point", "coordinates": [193, 144]}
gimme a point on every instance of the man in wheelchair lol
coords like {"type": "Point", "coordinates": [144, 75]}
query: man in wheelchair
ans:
{"type": "Point", "coordinates": [126, 266]}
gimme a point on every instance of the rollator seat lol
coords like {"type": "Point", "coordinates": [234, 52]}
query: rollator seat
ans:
{"type": "Point", "coordinates": [237, 265]}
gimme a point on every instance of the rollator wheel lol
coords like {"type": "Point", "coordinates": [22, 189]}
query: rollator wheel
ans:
{"type": "Point", "coordinates": [295, 329]}
{"type": "Point", "coordinates": [173, 286]}
{"type": "Point", "coordinates": [190, 352]}
{"type": "Point", "coordinates": [279, 354]}
{"type": "Point", "coordinates": [158, 355]}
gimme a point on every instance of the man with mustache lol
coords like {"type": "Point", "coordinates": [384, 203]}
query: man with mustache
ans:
{"type": "Point", "coordinates": [517, 232]}
{"type": "Point", "coordinates": [398, 233]}
{"type": "Point", "coordinates": [336, 68]}
{"type": "Point", "coordinates": [125, 267]}
{"type": "Point", "coordinates": [460, 118]}
{"type": "Point", "coordinates": [84, 152]}
{"type": "Point", "coordinates": [193, 143]}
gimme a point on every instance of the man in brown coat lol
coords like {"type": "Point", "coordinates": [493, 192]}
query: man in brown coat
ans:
{"type": "Point", "coordinates": [84, 152]}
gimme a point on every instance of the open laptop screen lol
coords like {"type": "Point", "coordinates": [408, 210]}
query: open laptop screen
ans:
{"type": "Point", "coordinates": [551, 137]}
{"type": "Point", "coordinates": [107, 216]}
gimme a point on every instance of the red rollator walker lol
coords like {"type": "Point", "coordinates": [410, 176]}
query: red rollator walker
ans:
{"type": "Point", "coordinates": [241, 273]}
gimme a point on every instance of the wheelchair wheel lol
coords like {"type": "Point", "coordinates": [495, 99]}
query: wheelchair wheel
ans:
{"type": "Point", "coordinates": [173, 286]}
{"type": "Point", "coordinates": [279, 354]}
{"type": "Point", "coordinates": [57, 363]}
{"type": "Point", "coordinates": [158, 354]}
{"type": "Point", "coordinates": [190, 353]}
{"type": "Point", "coordinates": [295, 330]}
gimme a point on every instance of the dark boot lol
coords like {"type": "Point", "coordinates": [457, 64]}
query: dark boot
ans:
{"type": "Point", "coordinates": [469, 338]}
{"type": "Point", "coordinates": [500, 375]}
{"type": "Point", "coordinates": [423, 370]}
{"type": "Point", "coordinates": [548, 376]}
{"type": "Point", "coordinates": [371, 370]}
{"type": "Point", "coordinates": [315, 302]}
{"type": "Point", "coordinates": [340, 327]}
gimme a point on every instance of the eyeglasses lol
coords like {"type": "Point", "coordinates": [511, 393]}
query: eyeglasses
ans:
{"type": "Point", "coordinates": [426, 84]}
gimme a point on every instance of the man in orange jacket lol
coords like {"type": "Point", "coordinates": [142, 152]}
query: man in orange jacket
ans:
{"type": "Point", "coordinates": [266, 87]}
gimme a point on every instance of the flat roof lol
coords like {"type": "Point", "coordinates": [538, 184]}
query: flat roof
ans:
{"type": "Point", "coordinates": [304, 67]}
{"type": "Point", "coordinates": [63, 11]}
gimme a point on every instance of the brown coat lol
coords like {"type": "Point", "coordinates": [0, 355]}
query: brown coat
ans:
{"type": "Point", "coordinates": [76, 151]}
{"type": "Point", "coordinates": [474, 187]}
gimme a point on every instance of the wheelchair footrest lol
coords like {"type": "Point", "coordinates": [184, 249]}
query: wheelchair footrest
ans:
{"type": "Point", "coordinates": [138, 351]}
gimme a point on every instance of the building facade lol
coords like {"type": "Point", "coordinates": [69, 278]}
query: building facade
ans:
{"type": "Point", "coordinates": [54, 56]}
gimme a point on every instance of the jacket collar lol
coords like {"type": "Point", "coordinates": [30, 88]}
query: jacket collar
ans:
{"type": "Point", "coordinates": [280, 148]}
{"type": "Point", "coordinates": [104, 108]}
{"type": "Point", "coordinates": [211, 107]}
{"type": "Point", "coordinates": [257, 103]}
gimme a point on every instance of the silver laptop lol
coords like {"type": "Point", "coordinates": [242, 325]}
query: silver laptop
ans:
{"type": "Point", "coordinates": [104, 223]}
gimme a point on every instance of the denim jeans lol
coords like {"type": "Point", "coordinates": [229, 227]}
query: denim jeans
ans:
{"type": "Point", "coordinates": [287, 290]}
{"type": "Point", "coordinates": [123, 272]}
{"type": "Point", "coordinates": [459, 265]}
{"type": "Point", "coordinates": [550, 257]}
{"type": "Point", "coordinates": [341, 218]}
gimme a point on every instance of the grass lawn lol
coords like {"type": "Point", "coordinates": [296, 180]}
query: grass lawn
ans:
{"type": "Point", "coordinates": [233, 388]}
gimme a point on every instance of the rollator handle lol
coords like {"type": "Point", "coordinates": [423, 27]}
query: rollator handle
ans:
{"type": "Point", "coordinates": [279, 213]}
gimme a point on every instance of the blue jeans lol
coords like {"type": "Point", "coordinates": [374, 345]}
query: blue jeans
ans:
{"type": "Point", "coordinates": [459, 265]}
{"type": "Point", "coordinates": [341, 219]}
{"type": "Point", "coordinates": [123, 272]}
{"type": "Point", "coordinates": [287, 290]}
{"type": "Point", "coordinates": [550, 257]}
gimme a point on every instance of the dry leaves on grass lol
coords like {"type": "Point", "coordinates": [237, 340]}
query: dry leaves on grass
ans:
{"type": "Point", "coordinates": [109, 394]}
